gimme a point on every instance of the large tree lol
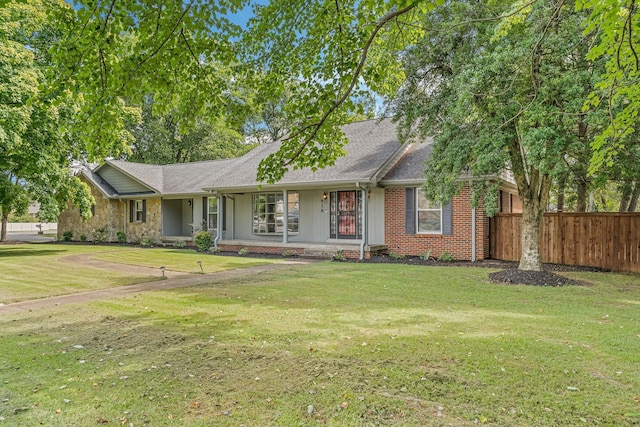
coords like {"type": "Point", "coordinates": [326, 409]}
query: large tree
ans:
{"type": "Point", "coordinates": [35, 146]}
{"type": "Point", "coordinates": [501, 86]}
{"type": "Point", "coordinates": [158, 140]}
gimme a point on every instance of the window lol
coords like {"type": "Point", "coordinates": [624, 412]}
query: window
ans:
{"type": "Point", "coordinates": [137, 210]}
{"type": "Point", "coordinates": [268, 212]}
{"type": "Point", "coordinates": [212, 213]}
{"type": "Point", "coordinates": [429, 214]}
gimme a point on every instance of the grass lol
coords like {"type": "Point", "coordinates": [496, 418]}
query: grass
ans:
{"type": "Point", "coordinates": [333, 344]}
{"type": "Point", "coordinates": [180, 260]}
{"type": "Point", "coordinates": [40, 270]}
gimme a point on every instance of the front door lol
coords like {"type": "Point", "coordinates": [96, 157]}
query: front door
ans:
{"type": "Point", "coordinates": [345, 215]}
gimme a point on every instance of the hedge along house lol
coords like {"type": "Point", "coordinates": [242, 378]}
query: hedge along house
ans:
{"type": "Point", "coordinates": [369, 201]}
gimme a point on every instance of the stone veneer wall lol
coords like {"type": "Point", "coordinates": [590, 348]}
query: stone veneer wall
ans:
{"type": "Point", "coordinates": [151, 228]}
{"type": "Point", "coordinates": [109, 214]}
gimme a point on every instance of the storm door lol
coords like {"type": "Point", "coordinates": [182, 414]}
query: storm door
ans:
{"type": "Point", "coordinates": [346, 215]}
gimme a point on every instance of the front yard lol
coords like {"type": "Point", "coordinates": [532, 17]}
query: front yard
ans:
{"type": "Point", "coordinates": [332, 344]}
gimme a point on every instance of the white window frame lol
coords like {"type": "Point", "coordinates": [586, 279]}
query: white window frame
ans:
{"type": "Point", "coordinates": [275, 217]}
{"type": "Point", "coordinates": [138, 210]}
{"type": "Point", "coordinates": [420, 197]}
{"type": "Point", "coordinates": [212, 214]}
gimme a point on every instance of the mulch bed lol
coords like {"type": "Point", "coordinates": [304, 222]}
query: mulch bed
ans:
{"type": "Point", "coordinates": [508, 274]}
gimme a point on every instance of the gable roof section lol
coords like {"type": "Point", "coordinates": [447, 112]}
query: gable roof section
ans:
{"type": "Point", "coordinates": [373, 152]}
{"type": "Point", "coordinates": [99, 183]}
{"type": "Point", "coordinates": [371, 145]}
{"type": "Point", "coordinates": [410, 168]}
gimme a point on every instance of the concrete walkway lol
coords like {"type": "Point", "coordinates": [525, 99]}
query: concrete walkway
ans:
{"type": "Point", "coordinates": [177, 280]}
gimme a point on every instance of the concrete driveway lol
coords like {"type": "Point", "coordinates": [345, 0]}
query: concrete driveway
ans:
{"type": "Point", "coordinates": [33, 237]}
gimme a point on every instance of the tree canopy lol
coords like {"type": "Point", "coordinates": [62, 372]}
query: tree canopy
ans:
{"type": "Point", "coordinates": [35, 147]}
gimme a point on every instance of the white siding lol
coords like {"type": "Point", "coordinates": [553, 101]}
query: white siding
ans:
{"type": "Point", "coordinates": [121, 182]}
{"type": "Point", "coordinates": [376, 216]}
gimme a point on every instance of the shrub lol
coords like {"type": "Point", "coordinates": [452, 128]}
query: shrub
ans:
{"type": "Point", "coordinates": [446, 257]}
{"type": "Point", "coordinates": [214, 249]}
{"type": "Point", "coordinates": [180, 244]}
{"type": "Point", "coordinates": [83, 238]}
{"type": "Point", "coordinates": [99, 235]}
{"type": "Point", "coordinates": [425, 255]}
{"type": "Point", "coordinates": [243, 251]}
{"type": "Point", "coordinates": [203, 241]}
{"type": "Point", "coordinates": [122, 238]}
{"type": "Point", "coordinates": [339, 256]}
{"type": "Point", "coordinates": [288, 253]}
{"type": "Point", "coordinates": [67, 236]}
{"type": "Point", "coordinates": [146, 242]}
{"type": "Point", "coordinates": [396, 255]}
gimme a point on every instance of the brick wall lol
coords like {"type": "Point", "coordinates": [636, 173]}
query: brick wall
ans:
{"type": "Point", "coordinates": [457, 244]}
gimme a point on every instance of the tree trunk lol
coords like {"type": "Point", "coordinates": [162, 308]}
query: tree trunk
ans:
{"type": "Point", "coordinates": [562, 184]}
{"type": "Point", "coordinates": [624, 198]}
{"type": "Point", "coordinates": [3, 231]}
{"type": "Point", "coordinates": [633, 202]}
{"type": "Point", "coordinates": [532, 214]}
{"type": "Point", "coordinates": [581, 195]}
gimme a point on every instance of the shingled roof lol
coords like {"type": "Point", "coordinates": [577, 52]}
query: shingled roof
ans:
{"type": "Point", "coordinates": [373, 152]}
{"type": "Point", "coordinates": [410, 168]}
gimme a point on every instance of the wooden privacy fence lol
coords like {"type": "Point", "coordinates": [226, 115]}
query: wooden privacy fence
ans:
{"type": "Point", "coordinates": [605, 240]}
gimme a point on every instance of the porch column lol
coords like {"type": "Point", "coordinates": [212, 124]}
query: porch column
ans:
{"type": "Point", "coordinates": [218, 222]}
{"type": "Point", "coordinates": [285, 216]}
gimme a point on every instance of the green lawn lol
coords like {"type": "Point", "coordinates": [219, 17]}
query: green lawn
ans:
{"type": "Point", "coordinates": [336, 344]}
{"type": "Point", "coordinates": [40, 270]}
{"type": "Point", "coordinates": [180, 260]}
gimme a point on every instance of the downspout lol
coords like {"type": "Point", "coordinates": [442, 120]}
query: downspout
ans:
{"type": "Point", "coordinates": [365, 211]}
{"type": "Point", "coordinates": [473, 234]}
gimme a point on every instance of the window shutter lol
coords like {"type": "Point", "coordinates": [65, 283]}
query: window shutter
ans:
{"type": "Point", "coordinates": [223, 200]}
{"type": "Point", "coordinates": [447, 219]}
{"type": "Point", "coordinates": [131, 210]}
{"type": "Point", "coordinates": [144, 211]}
{"type": "Point", "coordinates": [410, 210]}
{"type": "Point", "coordinates": [205, 213]}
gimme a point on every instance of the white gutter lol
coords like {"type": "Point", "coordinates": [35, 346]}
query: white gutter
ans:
{"type": "Point", "coordinates": [473, 234]}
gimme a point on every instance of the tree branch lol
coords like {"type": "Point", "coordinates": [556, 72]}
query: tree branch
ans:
{"type": "Point", "coordinates": [315, 127]}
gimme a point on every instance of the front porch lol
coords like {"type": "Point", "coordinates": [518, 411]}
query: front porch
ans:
{"type": "Point", "coordinates": [350, 250]}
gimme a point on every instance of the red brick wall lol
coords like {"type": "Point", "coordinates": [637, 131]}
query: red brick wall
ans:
{"type": "Point", "coordinates": [458, 244]}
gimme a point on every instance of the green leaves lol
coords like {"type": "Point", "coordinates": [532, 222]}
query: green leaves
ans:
{"type": "Point", "coordinates": [336, 52]}
{"type": "Point", "coordinates": [617, 25]}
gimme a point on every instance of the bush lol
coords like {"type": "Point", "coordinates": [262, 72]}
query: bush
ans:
{"type": "Point", "coordinates": [339, 256]}
{"type": "Point", "coordinates": [425, 255]}
{"type": "Point", "coordinates": [243, 251]}
{"type": "Point", "coordinates": [122, 238]}
{"type": "Point", "coordinates": [396, 255]}
{"type": "Point", "coordinates": [99, 235]}
{"type": "Point", "coordinates": [146, 242]}
{"type": "Point", "coordinates": [180, 244]}
{"type": "Point", "coordinates": [446, 257]}
{"type": "Point", "coordinates": [203, 241]}
{"type": "Point", "coordinates": [83, 238]}
{"type": "Point", "coordinates": [67, 236]}
{"type": "Point", "coordinates": [214, 250]}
